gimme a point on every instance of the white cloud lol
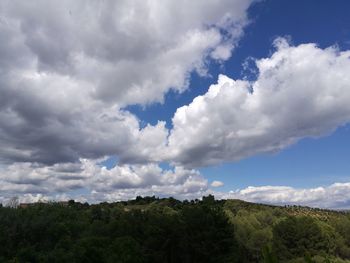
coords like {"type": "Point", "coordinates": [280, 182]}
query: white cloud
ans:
{"type": "Point", "coordinates": [32, 181]}
{"type": "Point", "coordinates": [90, 182]}
{"type": "Point", "coordinates": [217, 184]}
{"type": "Point", "coordinates": [131, 51]}
{"type": "Point", "coordinates": [300, 91]}
{"type": "Point", "coordinates": [336, 196]}
{"type": "Point", "coordinates": [66, 72]}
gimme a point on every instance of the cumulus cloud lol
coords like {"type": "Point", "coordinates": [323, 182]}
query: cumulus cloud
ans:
{"type": "Point", "coordinates": [300, 91]}
{"type": "Point", "coordinates": [217, 183]}
{"type": "Point", "coordinates": [336, 196]}
{"type": "Point", "coordinates": [88, 181]}
{"type": "Point", "coordinates": [32, 181]}
{"type": "Point", "coordinates": [66, 72]}
{"type": "Point", "coordinates": [131, 51]}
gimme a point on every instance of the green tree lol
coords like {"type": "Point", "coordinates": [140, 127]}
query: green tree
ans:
{"type": "Point", "coordinates": [298, 236]}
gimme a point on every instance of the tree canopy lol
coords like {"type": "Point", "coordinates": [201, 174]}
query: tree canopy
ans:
{"type": "Point", "coordinates": [149, 229]}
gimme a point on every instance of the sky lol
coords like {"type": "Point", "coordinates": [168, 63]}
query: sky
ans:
{"type": "Point", "coordinates": [107, 100]}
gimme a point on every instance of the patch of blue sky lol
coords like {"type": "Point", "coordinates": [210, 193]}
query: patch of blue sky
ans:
{"type": "Point", "coordinates": [309, 163]}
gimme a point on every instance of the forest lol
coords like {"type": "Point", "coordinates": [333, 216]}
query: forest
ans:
{"type": "Point", "coordinates": [150, 229]}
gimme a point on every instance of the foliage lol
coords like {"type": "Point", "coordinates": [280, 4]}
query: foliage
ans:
{"type": "Point", "coordinates": [149, 229]}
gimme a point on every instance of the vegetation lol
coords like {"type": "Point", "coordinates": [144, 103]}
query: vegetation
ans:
{"type": "Point", "coordinates": [155, 230]}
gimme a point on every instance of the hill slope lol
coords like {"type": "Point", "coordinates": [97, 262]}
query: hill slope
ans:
{"type": "Point", "coordinates": [150, 229]}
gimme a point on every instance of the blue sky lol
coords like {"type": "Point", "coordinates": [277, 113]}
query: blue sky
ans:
{"type": "Point", "coordinates": [310, 162]}
{"type": "Point", "coordinates": [104, 101]}
{"type": "Point", "coordinates": [303, 21]}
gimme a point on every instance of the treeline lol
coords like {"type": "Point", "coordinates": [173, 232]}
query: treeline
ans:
{"type": "Point", "coordinates": [155, 230]}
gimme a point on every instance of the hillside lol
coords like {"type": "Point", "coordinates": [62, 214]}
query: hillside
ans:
{"type": "Point", "coordinates": [150, 229]}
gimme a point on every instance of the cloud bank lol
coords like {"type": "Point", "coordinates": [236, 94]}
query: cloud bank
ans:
{"type": "Point", "coordinates": [66, 75]}
{"type": "Point", "coordinates": [66, 72]}
{"type": "Point", "coordinates": [300, 92]}
{"type": "Point", "coordinates": [336, 196]}
{"type": "Point", "coordinates": [89, 181]}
